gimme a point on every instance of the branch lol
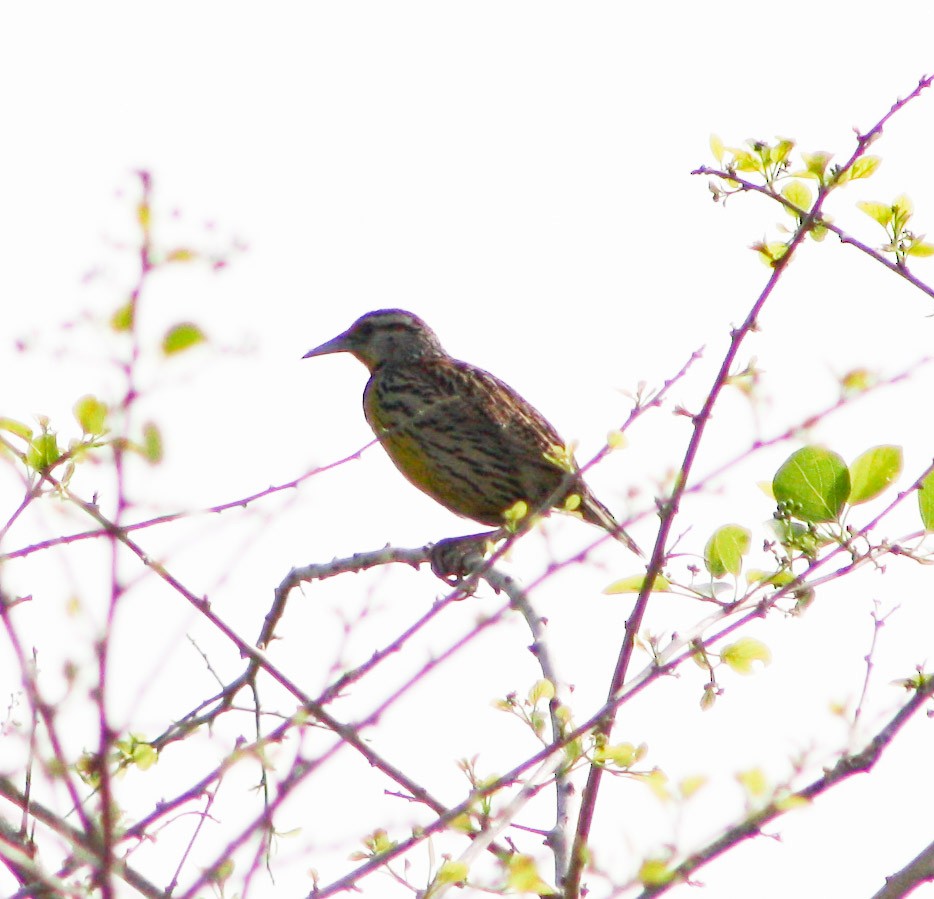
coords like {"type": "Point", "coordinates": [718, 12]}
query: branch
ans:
{"type": "Point", "coordinates": [670, 508]}
{"type": "Point", "coordinates": [848, 765]}
{"type": "Point", "coordinates": [919, 870]}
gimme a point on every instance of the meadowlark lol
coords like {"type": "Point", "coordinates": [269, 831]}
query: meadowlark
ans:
{"type": "Point", "coordinates": [457, 432]}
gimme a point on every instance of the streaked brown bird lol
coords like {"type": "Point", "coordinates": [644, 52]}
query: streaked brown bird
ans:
{"type": "Point", "coordinates": [458, 433]}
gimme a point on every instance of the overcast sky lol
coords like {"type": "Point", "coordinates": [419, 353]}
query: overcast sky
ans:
{"type": "Point", "coordinates": [516, 173]}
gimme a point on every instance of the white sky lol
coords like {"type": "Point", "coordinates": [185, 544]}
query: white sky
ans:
{"type": "Point", "coordinates": [518, 175]}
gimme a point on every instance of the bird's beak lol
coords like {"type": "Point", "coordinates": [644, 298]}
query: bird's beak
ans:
{"type": "Point", "coordinates": [338, 344]}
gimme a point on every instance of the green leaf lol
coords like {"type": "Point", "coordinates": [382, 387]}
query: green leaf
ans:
{"type": "Point", "coordinates": [864, 167]}
{"type": "Point", "coordinates": [541, 689]}
{"type": "Point", "coordinates": [182, 337]}
{"type": "Point", "coordinates": [716, 147]}
{"type": "Point", "coordinates": [725, 550]}
{"type": "Point", "coordinates": [515, 514]}
{"type": "Point", "coordinates": [902, 210]}
{"type": "Point", "coordinates": [523, 876]}
{"type": "Point", "coordinates": [616, 440]}
{"type": "Point", "coordinates": [776, 578]}
{"type": "Point", "coordinates": [657, 781]}
{"type": "Point", "coordinates": [770, 253]}
{"type": "Point", "coordinates": [754, 781]}
{"type": "Point", "coordinates": [16, 427]}
{"type": "Point", "coordinates": [622, 755]}
{"type": "Point", "coordinates": [799, 194]}
{"type": "Point", "coordinates": [181, 254]}
{"type": "Point", "coordinates": [816, 163]}
{"type": "Point", "coordinates": [655, 872]}
{"type": "Point", "coordinates": [873, 471]}
{"type": "Point", "coordinates": [152, 443]}
{"type": "Point", "coordinates": [812, 484]}
{"type": "Point", "coordinates": [858, 380]}
{"type": "Point", "coordinates": [780, 152]}
{"type": "Point", "coordinates": [134, 750]}
{"type": "Point", "coordinates": [123, 318]}
{"type": "Point", "coordinates": [744, 161]}
{"type": "Point", "coordinates": [795, 536]}
{"type": "Point", "coordinates": [91, 414]}
{"type": "Point", "coordinates": [691, 784]}
{"type": "Point", "coordinates": [926, 502]}
{"type": "Point", "coordinates": [43, 451]}
{"type": "Point", "coordinates": [453, 872]}
{"type": "Point", "coordinates": [878, 211]}
{"type": "Point", "coordinates": [742, 655]}
{"type": "Point", "coordinates": [920, 248]}
{"type": "Point", "coordinates": [635, 583]}
{"type": "Point", "coordinates": [221, 874]}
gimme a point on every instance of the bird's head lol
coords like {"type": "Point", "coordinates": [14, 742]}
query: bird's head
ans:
{"type": "Point", "coordinates": [381, 337]}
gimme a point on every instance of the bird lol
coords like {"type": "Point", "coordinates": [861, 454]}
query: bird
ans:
{"type": "Point", "coordinates": [458, 433]}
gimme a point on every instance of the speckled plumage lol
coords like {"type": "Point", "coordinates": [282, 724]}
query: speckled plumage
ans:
{"type": "Point", "coordinates": [454, 430]}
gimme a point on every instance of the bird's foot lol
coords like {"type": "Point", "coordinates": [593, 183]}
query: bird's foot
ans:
{"type": "Point", "coordinates": [455, 559]}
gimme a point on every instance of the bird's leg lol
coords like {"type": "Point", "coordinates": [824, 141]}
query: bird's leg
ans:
{"type": "Point", "coordinates": [455, 558]}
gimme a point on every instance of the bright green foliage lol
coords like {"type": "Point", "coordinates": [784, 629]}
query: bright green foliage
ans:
{"type": "Point", "coordinates": [926, 502]}
{"type": "Point", "coordinates": [655, 872]}
{"type": "Point", "coordinates": [717, 148]}
{"type": "Point", "coordinates": [857, 380]}
{"type": "Point", "coordinates": [135, 751]}
{"type": "Point", "coordinates": [918, 681]}
{"type": "Point", "coordinates": [91, 414]}
{"type": "Point", "coordinates": [873, 471]}
{"type": "Point", "coordinates": [515, 514]}
{"type": "Point", "coordinates": [377, 843]}
{"type": "Point", "coordinates": [152, 443]}
{"type": "Point", "coordinates": [144, 216]}
{"type": "Point", "coordinates": [452, 872]}
{"type": "Point", "coordinates": [815, 166]}
{"type": "Point", "coordinates": [182, 337]}
{"type": "Point", "coordinates": [635, 583]}
{"type": "Point", "coordinates": [864, 167]}
{"type": "Point", "coordinates": [181, 254]}
{"type": "Point", "coordinates": [123, 319]}
{"type": "Point", "coordinates": [762, 158]}
{"type": "Point", "coordinates": [616, 440]}
{"type": "Point", "coordinates": [691, 784]}
{"type": "Point", "coordinates": [522, 876]}
{"type": "Point", "coordinates": [725, 550]}
{"type": "Point", "coordinates": [771, 253]}
{"type": "Point", "coordinates": [43, 451]}
{"type": "Point", "coordinates": [812, 485]}
{"type": "Point", "coordinates": [796, 536]}
{"type": "Point", "coordinates": [747, 379]}
{"type": "Point", "coordinates": [562, 457]}
{"type": "Point", "coordinates": [742, 655]}
{"type": "Point", "coordinates": [657, 781]}
{"type": "Point", "coordinates": [798, 194]}
{"type": "Point", "coordinates": [534, 709]}
{"type": "Point", "coordinates": [775, 578]}
{"type": "Point", "coordinates": [879, 211]}
{"type": "Point", "coordinates": [16, 427]}
{"type": "Point", "coordinates": [894, 218]}
{"type": "Point", "coordinates": [620, 755]}
{"type": "Point", "coordinates": [88, 769]}
{"type": "Point", "coordinates": [222, 873]}
{"type": "Point", "coordinates": [754, 782]}
{"type": "Point", "coordinates": [541, 689]}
